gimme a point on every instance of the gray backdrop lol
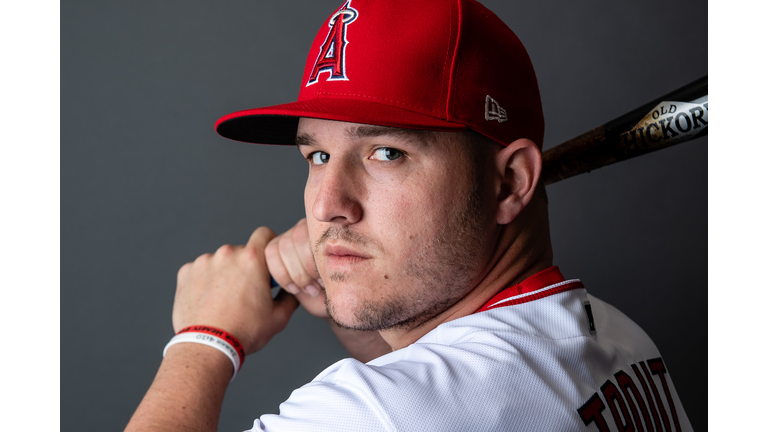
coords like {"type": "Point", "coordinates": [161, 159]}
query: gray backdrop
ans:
{"type": "Point", "coordinates": [147, 185]}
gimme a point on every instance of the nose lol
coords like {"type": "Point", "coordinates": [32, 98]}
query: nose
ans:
{"type": "Point", "coordinates": [337, 195]}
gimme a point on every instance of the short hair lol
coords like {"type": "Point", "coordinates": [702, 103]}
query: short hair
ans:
{"type": "Point", "coordinates": [480, 149]}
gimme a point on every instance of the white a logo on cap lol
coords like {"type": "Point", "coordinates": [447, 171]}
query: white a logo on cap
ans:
{"type": "Point", "coordinates": [494, 111]}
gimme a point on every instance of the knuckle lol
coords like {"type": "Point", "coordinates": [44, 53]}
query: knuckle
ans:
{"type": "Point", "coordinates": [225, 250]}
{"type": "Point", "coordinates": [264, 233]}
{"type": "Point", "coordinates": [183, 271]}
{"type": "Point", "coordinates": [273, 242]}
{"type": "Point", "coordinates": [261, 237]}
{"type": "Point", "coordinates": [249, 255]}
{"type": "Point", "coordinates": [203, 258]}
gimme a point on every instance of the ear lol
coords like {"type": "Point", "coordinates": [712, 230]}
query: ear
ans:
{"type": "Point", "coordinates": [519, 166]}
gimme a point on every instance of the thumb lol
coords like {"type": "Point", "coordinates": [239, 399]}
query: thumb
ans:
{"type": "Point", "coordinates": [260, 238]}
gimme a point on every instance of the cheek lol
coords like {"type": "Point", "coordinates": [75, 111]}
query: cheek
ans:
{"type": "Point", "coordinates": [405, 220]}
{"type": "Point", "coordinates": [310, 191]}
{"type": "Point", "coordinates": [308, 199]}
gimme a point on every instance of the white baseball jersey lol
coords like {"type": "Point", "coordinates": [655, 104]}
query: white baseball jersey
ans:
{"type": "Point", "coordinates": [541, 355]}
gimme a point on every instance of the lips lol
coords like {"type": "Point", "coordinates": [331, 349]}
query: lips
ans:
{"type": "Point", "coordinates": [341, 251]}
{"type": "Point", "coordinates": [341, 256]}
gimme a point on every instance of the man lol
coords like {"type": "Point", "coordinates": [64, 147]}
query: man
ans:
{"type": "Point", "coordinates": [425, 246]}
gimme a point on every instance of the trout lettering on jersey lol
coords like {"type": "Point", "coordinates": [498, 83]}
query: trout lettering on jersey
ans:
{"type": "Point", "coordinates": [631, 409]}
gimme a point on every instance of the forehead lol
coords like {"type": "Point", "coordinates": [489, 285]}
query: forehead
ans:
{"type": "Point", "coordinates": [312, 132]}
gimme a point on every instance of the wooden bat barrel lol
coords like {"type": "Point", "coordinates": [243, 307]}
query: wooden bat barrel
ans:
{"type": "Point", "coordinates": [677, 117]}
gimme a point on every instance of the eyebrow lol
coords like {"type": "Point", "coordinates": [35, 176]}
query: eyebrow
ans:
{"type": "Point", "coordinates": [305, 140]}
{"type": "Point", "coordinates": [415, 136]}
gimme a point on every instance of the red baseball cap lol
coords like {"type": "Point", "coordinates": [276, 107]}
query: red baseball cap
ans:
{"type": "Point", "coordinates": [444, 65]}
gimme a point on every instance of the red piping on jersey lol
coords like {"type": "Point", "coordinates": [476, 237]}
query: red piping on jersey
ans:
{"type": "Point", "coordinates": [543, 284]}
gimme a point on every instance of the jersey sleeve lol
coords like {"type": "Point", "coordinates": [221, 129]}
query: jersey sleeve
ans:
{"type": "Point", "coordinates": [326, 406]}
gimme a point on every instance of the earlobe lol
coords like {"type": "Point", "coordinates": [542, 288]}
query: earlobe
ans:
{"type": "Point", "coordinates": [518, 166]}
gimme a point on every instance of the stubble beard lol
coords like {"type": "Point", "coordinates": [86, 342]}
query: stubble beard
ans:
{"type": "Point", "coordinates": [444, 269]}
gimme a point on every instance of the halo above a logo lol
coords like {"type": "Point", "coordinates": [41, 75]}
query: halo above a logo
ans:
{"type": "Point", "coordinates": [348, 13]}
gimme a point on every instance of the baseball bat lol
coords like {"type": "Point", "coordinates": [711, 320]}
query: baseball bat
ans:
{"type": "Point", "coordinates": [674, 118]}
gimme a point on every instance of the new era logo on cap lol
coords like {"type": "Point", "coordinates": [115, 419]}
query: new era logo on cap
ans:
{"type": "Point", "coordinates": [494, 111]}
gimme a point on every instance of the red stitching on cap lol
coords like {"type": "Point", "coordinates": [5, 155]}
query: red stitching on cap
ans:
{"type": "Point", "coordinates": [379, 98]}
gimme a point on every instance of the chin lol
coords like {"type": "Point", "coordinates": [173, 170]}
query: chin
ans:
{"type": "Point", "coordinates": [356, 308]}
{"type": "Point", "coordinates": [341, 304]}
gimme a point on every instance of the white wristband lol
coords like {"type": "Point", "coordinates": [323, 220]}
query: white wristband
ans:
{"type": "Point", "coordinates": [210, 340]}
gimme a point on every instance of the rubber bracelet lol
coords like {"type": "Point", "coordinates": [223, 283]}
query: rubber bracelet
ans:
{"type": "Point", "coordinates": [213, 331]}
{"type": "Point", "coordinates": [208, 336]}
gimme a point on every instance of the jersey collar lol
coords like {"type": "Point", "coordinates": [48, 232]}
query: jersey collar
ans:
{"type": "Point", "coordinates": [543, 284]}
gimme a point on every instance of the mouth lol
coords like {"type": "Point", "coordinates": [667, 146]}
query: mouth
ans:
{"type": "Point", "coordinates": [339, 257]}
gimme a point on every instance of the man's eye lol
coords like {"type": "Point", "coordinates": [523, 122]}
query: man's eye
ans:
{"type": "Point", "coordinates": [386, 154]}
{"type": "Point", "coordinates": [319, 158]}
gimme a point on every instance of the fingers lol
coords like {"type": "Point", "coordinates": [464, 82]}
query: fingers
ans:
{"type": "Point", "coordinates": [292, 258]}
{"type": "Point", "coordinates": [290, 261]}
{"type": "Point", "coordinates": [260, 238]}
{"type": "Point", "coordinates": [303, 246]}
{"type": "Point", "coordinates": [277, 268]}
{"type": "Point", "coordinates": [229, 290]}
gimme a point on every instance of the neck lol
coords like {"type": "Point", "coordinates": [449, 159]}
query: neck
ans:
{"type": "Point", "coordinates": [522, 249]}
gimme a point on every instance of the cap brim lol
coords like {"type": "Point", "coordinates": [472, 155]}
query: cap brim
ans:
{"type": "Point", "coordinates": [278, 124]}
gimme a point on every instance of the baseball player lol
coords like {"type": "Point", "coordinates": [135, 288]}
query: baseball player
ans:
{"type": "Point", "coordinates": [425, 246]}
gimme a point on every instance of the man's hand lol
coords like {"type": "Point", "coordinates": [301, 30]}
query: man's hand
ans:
{"type": "Point", "coordinates": [230, 290]}
{"type": "Point", "coordinates": [290, 261]}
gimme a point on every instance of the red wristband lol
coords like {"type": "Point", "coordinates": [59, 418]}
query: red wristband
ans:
{"type": "Point", "coordinates": [213, 331]}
